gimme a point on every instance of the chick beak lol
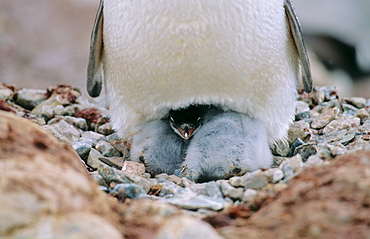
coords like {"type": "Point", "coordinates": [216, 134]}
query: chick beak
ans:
{"type": "Point", "coordinates": [186, 131]}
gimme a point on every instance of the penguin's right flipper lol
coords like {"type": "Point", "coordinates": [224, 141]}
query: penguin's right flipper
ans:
{"type": "Point", "coordinates": [94, 69]}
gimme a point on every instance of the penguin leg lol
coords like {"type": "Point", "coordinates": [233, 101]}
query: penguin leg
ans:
{"type": "Point", "coordinates": [228, 144]}
{"type": "Point", "coordinates": [158, 147]}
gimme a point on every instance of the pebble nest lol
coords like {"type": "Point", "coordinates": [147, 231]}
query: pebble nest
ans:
{"type": "Point", "coordinates": [324, 128]}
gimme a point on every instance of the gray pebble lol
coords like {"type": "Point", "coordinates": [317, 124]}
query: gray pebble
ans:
{"type": "Point", "coordinates": [107, 149]}
{"type": "Point", "coordinates": [249, 195]}
{"type": "Point", "coordinates": [79, 123]}
{"type": "Point", "coordinates": [5, 93]}
{"type": "Point", "coordinates": [93, 160]}
{"type": "Point", "coordinates": [91, 137]}
{"type": "Point", "coordinates": [127, 190]}
{"type": "Point", "coordinates": [112, 175]}
{"type": "Point", "coordinates": [142, 182]}
{"type": "Point", "coordinates": [59, 110]}
{"type": "Point", "coordinates": [82, 149]}
{"type": "Point", "coordinates": [116, 162]}
{"type": "Point", "coordinates": [99, 179]}
{"type": "Point", "coordinates": [358, 102]}
{"type": "Point", "coordinates": [349, 109]}
{"type": "Point", "coordinates": [106, 129]}
{"type": "Point", "coordinates": [30, 98]}
{"type": "Point", "coordinates": [194, 202]}
{"type": "Point", "coordinates": [324, 118]}
{"type": "Point", "coordinates": [254, 180]}
{"type": "Point", "coordinates": [230, 191]}
{"type": "Point", "coordinates": [68, 132]}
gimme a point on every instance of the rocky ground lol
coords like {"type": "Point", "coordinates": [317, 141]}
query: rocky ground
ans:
{"type": "Point", "coordinates": [318, 187]}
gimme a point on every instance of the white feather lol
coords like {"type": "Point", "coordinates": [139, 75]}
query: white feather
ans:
{"type": "Point", "coordinates": [165, 54]}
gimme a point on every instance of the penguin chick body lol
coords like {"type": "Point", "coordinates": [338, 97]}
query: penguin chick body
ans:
{"type": "Point", "coordinates": [241, 55]}
{"type": "Point", "coordinates": [227, 144]}
{"type": "Point", "coordinates": [156, 145]}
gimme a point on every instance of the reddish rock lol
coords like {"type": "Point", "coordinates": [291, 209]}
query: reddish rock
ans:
{"type": "Point", "coordinates": [45, 190]}
{"type": "Point", "coordinates": [330, 201]}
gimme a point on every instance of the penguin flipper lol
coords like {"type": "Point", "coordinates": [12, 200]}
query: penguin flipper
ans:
{"type": "Point", "coordinates": [94, 69]}
{"type": "Point", "coordinates": [296, 32]}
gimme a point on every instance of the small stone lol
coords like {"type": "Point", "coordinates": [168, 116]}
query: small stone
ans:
{"type": "Point", "coordinates": [5, 93]}
{"type": "Point", "coordinates": [91, 137]}
{"type": "Point", "coordinates": [301, 107]}
{"type": "Point", "coordinates": [79, 123]}
{"type": "Point", "coordinates": [318, 96]}
{"type": "Point", "coordinates": [112, 175]}
{"type": "Point", "coordinates": [82, 149]}
{"type": "Point", "coordinates": [281, 148]}
{"type": "Point", "coordinates": [235, 181]}
{"type": "Point", "coordinates": [249, 195]}
{"type": "Point", "coordinates": [299, 129]}
{"type": "Point", "coordinates": [127, 190]}
{"type": "Point", "coordinates": [140, 181]}
{"type": "Point", "coordinates": [98, 179]}
{"type": "Point", "coordinates": [358, 102]}
{"type": "Point", "coordinates": [254, 180]}
{"type": "Point", "coordinates": [291, 165]}
{"type": "Point", "coordinates": [230, 191]}
{"type": "Point", "coordinates": [277, 176]}
{"type": "Point", "coordinates": [113, 136]}
{"type": "Point", "coordinates": [324, 118]}
{"type": "Point", "coordinates": [120, 145]}
{"type": "Point", "coordinates": [106, 129]}
{"type": "Point", "coordinates": [107, 149]}
{"type": "Point", "coordinates": [362, 114]}
{"type": "Point", "coordinates": [349, 109]}
{"type": "Point", "coordinates": [93, 160]}
{"type": "Point", "coordinates": [59, 110]}
{"type": "Point", "coordinates": [63, 131]}
{"type": "Point", "coordinates": [212, 189]}
{"type": "Point", "coordinates": [348, 122]}
{"type": "Point", "coordinates": [170, 189]}
{"type": "Point", "coordinates": [337, 150]}
{"type": "Point", "coordinates": [194, 202]}
{"type": "Point", "coordinates": [365, 127]}
{"type": "Point", "coordinates": [46, 111]}
{"type": "Point", "coordinates": [305, 151]}
{"type": "Point", "coordinates": [30, 98]}
{"type": "Point", "coordinates": [116, 162]}
{"type": "Point", "coordinates": [130, 167]}
{"type": "Point", "coordinates": [324, 154]}
{"type": "Point", "coordinates": [313, 161]}
{"type": "Point", "coordinates": [274, 175]}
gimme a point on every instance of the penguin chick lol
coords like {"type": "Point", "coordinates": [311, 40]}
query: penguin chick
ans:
{"type": "Point", "coordinates": [227, 144]}
{"type": "Point", "coordinates": [185, 122]}
{"type": "Point", "coordinates": [242, 55]}
{"type": "Point", "coordinates": [157, 147]}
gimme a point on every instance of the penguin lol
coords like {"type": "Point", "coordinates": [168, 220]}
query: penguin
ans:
{"type": "Point", "coordinates": [240, 55]}
{"type": "Point", "coordinates": [186, 122]}
{"type": "Point", "coordinates": [227, 144]}
{"type": "Point", "coordinates": [223, 145]}
{"type": "Point", "coordinates": [158, 147]}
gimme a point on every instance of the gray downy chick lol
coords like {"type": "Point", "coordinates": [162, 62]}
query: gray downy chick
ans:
{"type": "Point", "coordinates": [227, 144]}
{"type": "Point", "coordinates": [157, 147]}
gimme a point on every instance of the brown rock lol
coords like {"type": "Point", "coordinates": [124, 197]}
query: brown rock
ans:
{"type": "Point", "coordinates": [330, 201]}
{"type": "Point", "coordinates": [45, 190]}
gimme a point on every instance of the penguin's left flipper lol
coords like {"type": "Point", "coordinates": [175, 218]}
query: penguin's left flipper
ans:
{"type": "Point", "coordinates": [296, 32]}
{"type": "Point", "coordinates": [94, 68]}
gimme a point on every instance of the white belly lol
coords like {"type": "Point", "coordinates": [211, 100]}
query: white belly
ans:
{"type": "Point", "coordinates": [168, 54]}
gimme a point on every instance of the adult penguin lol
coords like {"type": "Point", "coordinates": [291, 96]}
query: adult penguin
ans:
{"type": "Point", "coordinates": [240, 55]}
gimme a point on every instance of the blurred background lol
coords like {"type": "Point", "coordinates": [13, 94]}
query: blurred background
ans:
{"type": "Point", "coordinates": [46, 42]}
